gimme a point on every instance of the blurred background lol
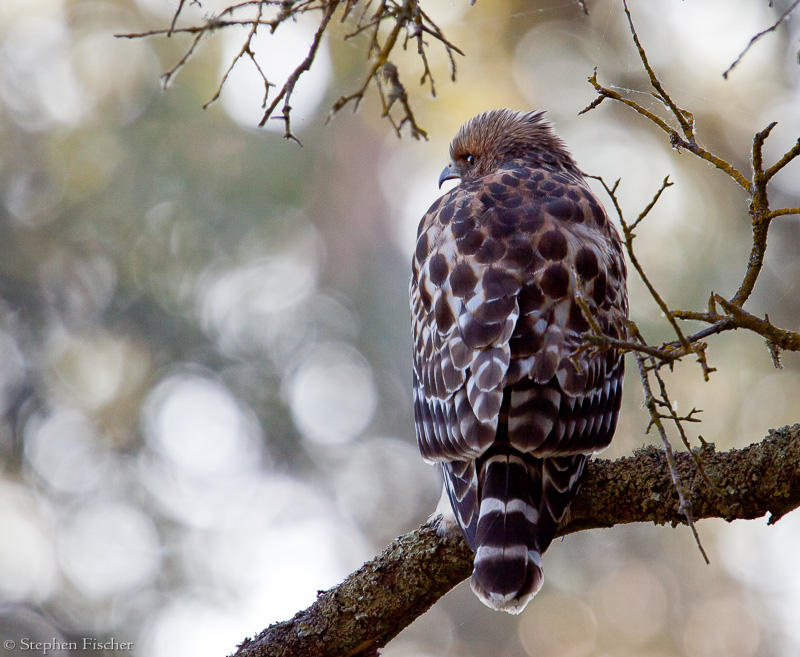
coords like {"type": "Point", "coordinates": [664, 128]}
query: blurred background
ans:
{"type": "Point", "coordinates": [204, 334]}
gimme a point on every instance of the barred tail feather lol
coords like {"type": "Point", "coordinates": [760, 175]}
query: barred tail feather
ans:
{"type": "Point", "coordinates": [508, 567]}
{"type": "Point", "coordinates": [490, 580]}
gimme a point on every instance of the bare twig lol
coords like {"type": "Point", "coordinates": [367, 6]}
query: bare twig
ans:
{"type": "Point", "coordinates": [760, 213]}
{"type": "Point", "coordinates": [775, 354]}
{"type": "Point", "coordinates": [652, 405]}
{"type": "Point", "coordinates": [285, 94]}
{"type": "Point", "coordinates": [734, 317]}
{"type": "Point", "coordinates": [676, 139]}
{"type": "Point", "coordinates": [629, 235]}
{"type": "Point", "coordinates": [175, 17]}
{"type": "Point", "coordinates": [683, 117]}
{"type": "Point", "coordinates": [650, 359]}
{"type": "Point", "coordinates": [396, 92]}
{"type": "Point", "coordinates": [678, 421]}
{"type": "Point", "coordinates": [790, 155]}
{"type": "Point", "coordinates": [167, 77]}
{"type": "Point", "coordinates": [752, 41]}
{"type": "Point", "coordinates": [652, 204]}
{"type": "Point", "coordinates": [245, 50]}
{"type": "Point", "coordinates": [407, 15]}
{"type": "Point", "coordinates": [397, 15]}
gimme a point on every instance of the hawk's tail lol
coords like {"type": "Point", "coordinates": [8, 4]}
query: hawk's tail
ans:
{"type": "Point", "coordinates": [508, 567]}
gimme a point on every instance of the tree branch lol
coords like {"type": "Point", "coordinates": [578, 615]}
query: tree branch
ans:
{"type": "Point", "coordinates": [386, 594]}
{"type": "Point", "coordinates": [752, 41]}
{"type": "Point", "coordinates": [393, 16]}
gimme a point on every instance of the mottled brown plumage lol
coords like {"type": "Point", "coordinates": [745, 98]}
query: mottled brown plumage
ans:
{"type": "Point", "coordinates": [504, 398]}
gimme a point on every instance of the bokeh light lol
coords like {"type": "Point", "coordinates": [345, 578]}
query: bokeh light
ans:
{"type": "Point", "coordinates": [332, 394]}
{"type": "Point", "coordinates": [196, 425]}
{"type": "Point", "coordinates": [565, 628]}
{"type": "Point", "coordinates": [27, 556]}
{"type": "Point", "coordinates": [721, 626]}
{"type": "Point", "coordinates": [634, 604]}
{"type": "Point", "coordinates": [63, 450]}
{"type": "Point", "coordinates": [108, 548]}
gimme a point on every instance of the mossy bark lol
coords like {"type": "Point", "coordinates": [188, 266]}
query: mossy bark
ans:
{"type": "Point", "coordinates": [386, 594]}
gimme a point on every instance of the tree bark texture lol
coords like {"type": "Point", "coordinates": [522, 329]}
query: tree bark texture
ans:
{"type": "Point", "coordinates": [386, 594]}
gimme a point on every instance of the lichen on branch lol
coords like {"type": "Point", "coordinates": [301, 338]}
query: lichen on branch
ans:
{"type": "Point", "coordinates": [386, 594]}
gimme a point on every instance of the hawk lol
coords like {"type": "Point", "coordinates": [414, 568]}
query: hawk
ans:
{"type": "Point", "coordinates": [508, 397]}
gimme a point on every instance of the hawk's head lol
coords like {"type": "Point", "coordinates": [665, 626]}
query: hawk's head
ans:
{"type": "Point", "coordinates": [487, 141]}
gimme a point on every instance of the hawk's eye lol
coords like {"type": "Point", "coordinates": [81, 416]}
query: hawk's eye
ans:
{"type": "Point", "coordinates": [470, 159]}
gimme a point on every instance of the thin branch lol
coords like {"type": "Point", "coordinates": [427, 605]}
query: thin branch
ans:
{"type": "Point", "coordinates": [787, 157]}
{"type": "Point", "coordinates": [734, 317]}
{"type": "Point", "coordinates": [285, 94]}
{"type": "Point", "coordinates": [678, 422]}
{"type": "Point", "coordinates": [210, 26]}
{"type": "Point", "coordinates": [398, 15]}
{"type": "Point", "coordinates": [783, 211]}
{"type": "Point", "coordinates": [381, 59]}
{"type": "Point", "coordinates": [752, 42]}
{"type": "Point", "coordinates": [387, 593]}
{"type": "Point", "coordinates": [652, 203]}
{"type": "Point", "coordinates": [629, 236]}
{"type": "Point", "coordinates": [787, 340]}
{"type": "Point", "coordinates": [661, 94]}
{"type": "Point", "coordinates": [649, 359]}
{"type": "Point", "coordinates": [760, 214]}
{"type": "Point", "coordinates": [675, 138]}
{"type": "Point", "coordinates": [406, 16]}
{"type": "Point", "coordinates": [429, 27]}
{"type": "Point", "coordinates": [166, 78]}
{"type": "Point", "coordinates": [651, 403]}
{"type": "Point", "coordinates": [397, 93]}
{"type": "Point", "coordinates": [660, 353]}
{"type": "Point", "coordinates": [175, 17]}
{"type": "Point", "coordinates": [245, 50]}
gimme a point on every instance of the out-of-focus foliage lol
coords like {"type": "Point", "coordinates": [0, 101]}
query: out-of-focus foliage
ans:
{"type": "Point", "coordinates": [204, 349]}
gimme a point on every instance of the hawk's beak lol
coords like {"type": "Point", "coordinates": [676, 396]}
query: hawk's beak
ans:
{"type": "Point", "coordinates": [448, 173]}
